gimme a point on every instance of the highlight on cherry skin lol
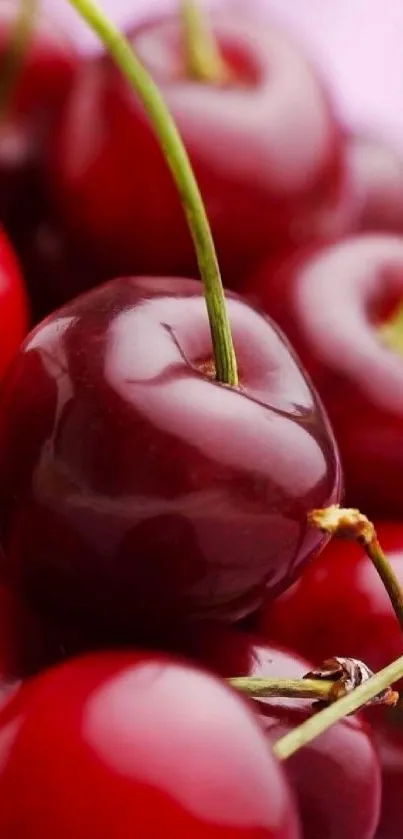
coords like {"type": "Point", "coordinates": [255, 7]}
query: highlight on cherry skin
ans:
{"type": "Point", "coordinates": [265, 147]}
{"type": "Point", "coordinates": [331, 302]}
{"type": "Point", "coordinates": [336, 778]}
{"type": "Point", "coordinates": [134, 744]}
{"type": "Point", "coordinates": [147, 493]}
{"type": "Point", "coordinates": [340, 603]}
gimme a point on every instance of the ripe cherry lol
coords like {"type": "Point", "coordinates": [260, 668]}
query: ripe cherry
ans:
{"type": "Point", "coordinates": [42, 84]}
{"type": "Point", "coordinates": [336, 777]}
{"type": "Point", "coordinates": [135, 744]}
{"type": "Point", "coordinates": [376, 175]}
{"type": "Point", "coordinates": [330, 302]}
{"type": "Point", "coordinates": [388, 736]}
{"type": "Point", "coordinates": [340, 606]}
{"type": "Point", "coordinates": [13, 304]}
{"type": "Point", "coordinates": [265, 150]}
{"type": "Point", "coordinates": [135, 490]}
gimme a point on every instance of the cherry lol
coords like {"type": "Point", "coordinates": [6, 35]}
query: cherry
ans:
{"type": "Point", "coordinates": [134, 744]}
{"type": "Point", "coordinates": [42, 84]}
{"type": "Point", "coordinates": [330, 302]}
{"type": "Point", "coordinates": [336, 777]}
{"type": "Point", "coordinates": [376, 175]}
{"type": "Point", "coordinates": [135, 490]}
{"type": "Point", "coordinates": [13, 304]}
{"type": "Point", "coordinates": [340, 606]}
{"type": "Point", "coordinates": [265, 150]}
{"type": "Point", "coordinates": [388, 737]}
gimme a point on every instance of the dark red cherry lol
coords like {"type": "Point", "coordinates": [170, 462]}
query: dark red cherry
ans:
{"type": "Point", "coordinates": [375, 172]}
{"type": "Point", "coordinates": [41, 87]}
{"type": "Point", "coordinates": [330, 302]}
{"type": "Point", "coordinates": [135, 490]}
{"type": "Point", "coordinates": [13, 304]}
{"type": "Point", "coordinates": [388, 736]}
{"type": "Point", "coordinates": [340, 606]}
{"type": "Point", "coordinates": [265, 149]}
{"type": "Point", "coordinates": [336, 778]}
{"type": "Point", "coordinates": [133, 744]}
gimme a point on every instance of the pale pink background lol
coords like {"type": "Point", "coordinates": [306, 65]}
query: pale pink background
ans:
{"type": "Point", "coordinates": [358, 44]}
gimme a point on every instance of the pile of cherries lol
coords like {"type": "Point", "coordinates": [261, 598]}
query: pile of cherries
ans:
{"type": "Point", "coordinates": [154, 520]}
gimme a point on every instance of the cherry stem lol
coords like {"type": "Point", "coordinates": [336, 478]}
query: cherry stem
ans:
{"type": "Point", "coordinates": [351, 524]}
{"type": "Point", "coordinates": [178, 161]}
{"type": "Point", "coordinates": [16, 51]}
{"type": "Point", "coordinates": [293, 688]}
{"type": "Point", "coordinates": [204, 62]}
{"type": "Point", "coordinates": [349, 704]}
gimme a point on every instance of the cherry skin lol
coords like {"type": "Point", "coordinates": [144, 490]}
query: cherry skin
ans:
{"type": "Point", "coordinates": [121, 745]}
{"type": "Point", "coordinates": [388, 736]}
{"type": "Point", "coordinates": [265, 149]}
{"type": "Point", "coordinates": [136, 491]}
{"type": "Point", "coordinates": [336, 778]}
{"type": "Point", "coordinates": [330, 302]}
{"type": "Point", "coordinates": [41, 87]}
{"type": "Point", "coordinates": [13, 304]}
{"type": "Point", "coordinates": [376, 175]}
{"type": "Point", "coordinates": [340, 606]}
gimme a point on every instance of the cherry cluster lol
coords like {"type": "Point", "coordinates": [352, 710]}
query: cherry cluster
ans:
{"type": "Point", "coordinates": [161, 448]}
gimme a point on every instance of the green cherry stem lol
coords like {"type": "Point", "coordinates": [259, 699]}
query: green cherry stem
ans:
{"type": "Point", "coordinates": [320, 722]}
{"type": "Point", "coordinates": [351, 524]}
{"type": "Point", "coordinates": [15, 54]}
{"type": "Point", "coordinates": [204, 61]}
{"type": "Point", "coordinates": [178, 161]}
{"type": "Point", "coordinates": [292, 688]}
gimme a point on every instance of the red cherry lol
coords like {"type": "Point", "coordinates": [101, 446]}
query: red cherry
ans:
{"type": "Point", "coordinates": [265, 150]}
{"type": "Point", "coordinates": [336, 777]}
{"type": "Point", "coordinates": [13, 304]}
{"type": "Point", "coordinates": [136, 491]}
{"type": "Point", "coordinates": [329, 301]}
{"type": "Point", "coordinates": [376, 175]}
{"type": "Point", "coordinates": [340, 606]}
{"type": "Point", "coordinates": [45, 77]}
{"type": "Point", "coordinates": [132, 744]}
{"type": "Point", "coordinates": [389, 741]}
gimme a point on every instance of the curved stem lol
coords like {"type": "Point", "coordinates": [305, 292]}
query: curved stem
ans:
{"type": "Point", "coordinates": [320, 722]}
{"type": "Point", "coordinates": [293, 688]}
{"type": "Point", "coordinates": [351, 524]}
{"type": "Point", "coordinates": [15, 53]}
{"type": "Point", "coordinates": [204, 61]}
{"type": "Point", "coordinates": [179, 164]}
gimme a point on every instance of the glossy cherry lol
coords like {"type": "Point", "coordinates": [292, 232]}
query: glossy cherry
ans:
{"type": "Point", "coordinates": [265, 149]}
{"type": "Point", "coordinates": [375, 172]}
{"type": "Point", "coordinates": [13, 304]}
{"type": "Point", "coordinates": [336, 778]}
{"type": "Point", "coordinates": [340, 606]}
{"type": "Point", "coordinates": [133, 744]}
{"type": "Point", "coordinates": [42, 85]}
{"type": "Point", "coordinates": [135, 490]}
{"type": "Point", "coordinates": [330, 302]}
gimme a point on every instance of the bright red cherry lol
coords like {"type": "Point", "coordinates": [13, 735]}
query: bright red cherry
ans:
{"type": "Point", "coordinates": [336, 778]}
{"type": "Point", "coordinates": [330, 302]}
{"type": "Point", "coordinates": [133, 744]}
{"type": "Point", "coordinates": [42, 84]}
{"type": "Point", "coordinates": [13, 304]}
{"type": "Point", "coordinates": [136, 491]}
{"type": "Point", "coordinates": [265, 149]}
{"type": "Point", "coordinates": [340, 606]}
{"type": "Point", "coordinates": [376, 175]}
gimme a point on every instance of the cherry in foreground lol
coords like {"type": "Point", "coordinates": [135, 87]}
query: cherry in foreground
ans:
{"type": "Point", "coordinates": [138, 492]}
{"type": "Point", "coordinates": [331, 302]}
{"type": "Point", "coordinates": [336, 778]}
{"type": "Point", "coordinates": [264, 146]}
{"type": "Point", "coordinates": [131, 744]}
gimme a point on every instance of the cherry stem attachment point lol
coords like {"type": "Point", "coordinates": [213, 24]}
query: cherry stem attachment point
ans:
{"type": "Point", "coordinates": [15, 53]}
{"type": "Point", "coordinates": [178, 161]}
{"type": "Point", "coordinates": [294, 688]}
{"type": "Point", "coordinates": [351, 524]}
{"type": "Point", "coordinates": [349, 704]}
{"type": "Point", "coordinates": [204, 61]}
